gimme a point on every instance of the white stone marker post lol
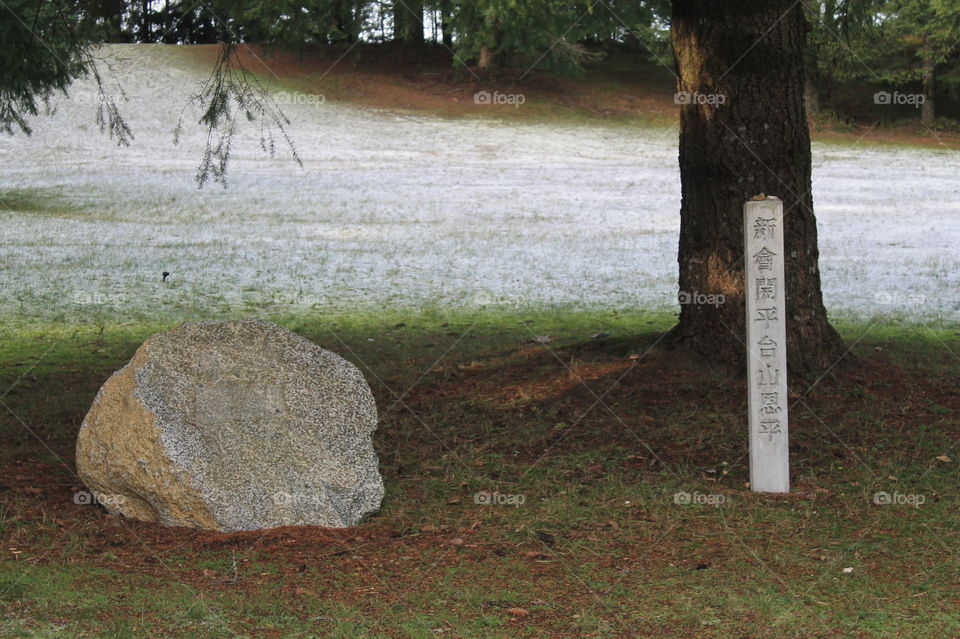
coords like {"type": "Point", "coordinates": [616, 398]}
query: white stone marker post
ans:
{"type": "Point", "coordinates": [764, 289]}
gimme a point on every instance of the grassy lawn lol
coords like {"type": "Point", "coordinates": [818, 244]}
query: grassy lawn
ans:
{"type": "Point", "coordinates": [592, 441]}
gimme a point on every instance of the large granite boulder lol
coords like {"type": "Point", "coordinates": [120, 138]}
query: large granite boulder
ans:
{"type": "Point", "coordinates": [233, 426]}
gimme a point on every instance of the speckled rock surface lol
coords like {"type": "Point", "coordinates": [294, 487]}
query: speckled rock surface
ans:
{"type": "Point", "coordinates": [233, 426]}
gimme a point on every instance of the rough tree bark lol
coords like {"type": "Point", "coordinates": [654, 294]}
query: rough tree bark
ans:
{"type": "Point", "coordinates": [811, 85]}
{"type": "Point", "coordinates": [743, 131]}
{"type": "Point", "coordinates": [811, 95]}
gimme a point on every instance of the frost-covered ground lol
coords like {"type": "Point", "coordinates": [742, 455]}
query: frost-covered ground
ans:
{"type": "Point", "coordinates": [405, 210]}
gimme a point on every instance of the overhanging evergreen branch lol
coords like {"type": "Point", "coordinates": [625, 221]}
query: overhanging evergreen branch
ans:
{"type": "Point", "coordinates": [231, 91]}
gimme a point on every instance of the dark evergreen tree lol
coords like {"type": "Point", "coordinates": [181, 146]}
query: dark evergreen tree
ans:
{"type": "Point", "coordinates": [46, 46]}
{"type": "Point", "coordinates": [755, 141]}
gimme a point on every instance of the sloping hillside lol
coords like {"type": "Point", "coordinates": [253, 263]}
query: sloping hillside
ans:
{"type": "Point", "coordinates": [406, 208]}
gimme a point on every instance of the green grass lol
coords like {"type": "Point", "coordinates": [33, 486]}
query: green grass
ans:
{"type": "Point", "coordinates": [599, 548]}
{"type": "Point", "coordinates": [52, 202]}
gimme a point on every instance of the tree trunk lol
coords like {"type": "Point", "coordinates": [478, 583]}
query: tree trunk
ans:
{"type": "Point", "coordinates": [145, 28]}
{"type": "Point", "coordinates": [811, 75]}
{"type": "Point", "coordinates": [743, 131]}
{"type": "Point", "coordinates": [486, 58]}
{"type": "Point", "coordinates": [408, 21]}
{"type": "Point", "coordinates": [446, 23]}
{"type": "Point", "coordinates": [811, 94]}
{"type": "Point", "coordinates": [927, 109]}
{"type": "Point", "coordinates": [345, 21]}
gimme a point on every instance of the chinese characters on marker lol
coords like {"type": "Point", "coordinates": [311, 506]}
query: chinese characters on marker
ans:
{"type": "Point", "coordinates": [764, 228]}
{"type": "Point", "coordinates": [766, 344]}
{"type": "Point", "coordinates": [765, 291]}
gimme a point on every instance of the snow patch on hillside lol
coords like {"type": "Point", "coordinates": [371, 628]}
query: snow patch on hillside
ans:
{"type": "Point", "coordinates": [404, 210]}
